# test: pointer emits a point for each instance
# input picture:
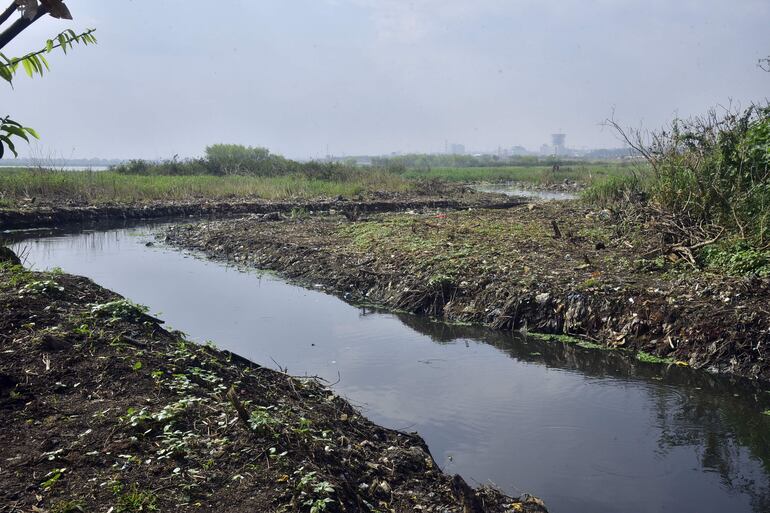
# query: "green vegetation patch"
(554, 337)
(18, 186)
(738, 259)
(651, 358)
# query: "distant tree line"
(236, 159)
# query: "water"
(513, 190)
(588, 431)
(59, 168)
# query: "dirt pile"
(555, 268)
(103, 409)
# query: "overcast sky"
(374, 76)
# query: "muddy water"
(588, 431)
(513, 190)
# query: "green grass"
(105, 186)
(590, 173)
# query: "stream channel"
(586, 430)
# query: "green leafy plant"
(69, 506)
(135, 500)
(313, 492)
(10, 128)
(40, 287)
(119, 309)
(737, 259)
(52, 477)
(263, 422)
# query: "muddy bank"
(42, 216)
(557, 268)
(103, 409)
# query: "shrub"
(716, 169)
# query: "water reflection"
(715, 415)
(587, 430)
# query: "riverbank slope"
(555, 268)
(103, 409)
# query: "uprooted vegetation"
(104, 410)
(558, 268)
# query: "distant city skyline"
(372, 77)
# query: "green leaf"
(18, 132)
(7, 140)
(27, 67)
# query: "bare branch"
(19, 26)
(8, 12)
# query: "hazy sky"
(374, 76)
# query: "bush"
(235, 159)
(712, 170)
(717, 170)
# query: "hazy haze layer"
(375, 76)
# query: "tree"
(33, 63)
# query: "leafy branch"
(35, 62)
(8, 128)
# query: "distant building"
(457, 149)
(518, 150)
(558, 142)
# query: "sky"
(303, 77)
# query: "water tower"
(557, 141)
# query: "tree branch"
(77, 38)
(8, 13)
(19, 26)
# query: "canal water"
(512, 189)
(586, 430)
